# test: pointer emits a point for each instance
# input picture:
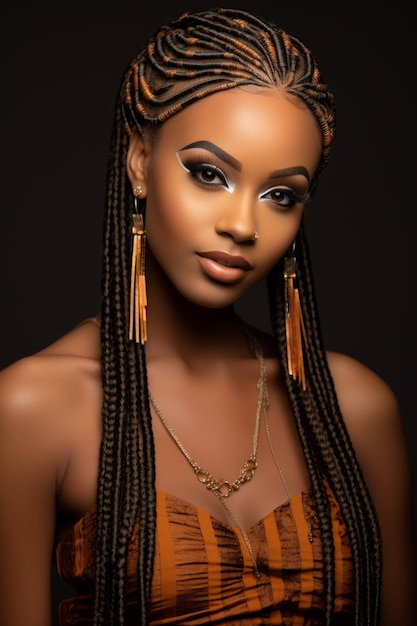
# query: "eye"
(207, 174)
(285, 197)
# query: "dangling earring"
(294, 324)
(138, 301)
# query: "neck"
(176, 324)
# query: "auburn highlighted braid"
(188, 59)
(206, 52)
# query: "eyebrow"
(211, 147)
(237, 165)
(291, 171)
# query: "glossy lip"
(226, 259)
(223, 267)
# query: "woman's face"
(237, 163)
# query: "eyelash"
(291, 197)
(197, 169)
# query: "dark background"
(61, 65)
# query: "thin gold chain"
(221, 488)
(274, 456)
(284, 482)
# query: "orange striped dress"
(204, 574)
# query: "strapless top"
(203, 572)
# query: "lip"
(226, 259)
(223, 267)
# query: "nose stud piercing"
(255, 236)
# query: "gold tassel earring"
(294, 324)
(138, 300)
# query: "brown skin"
(200, 369)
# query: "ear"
(137, 160)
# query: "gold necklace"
(221, 488)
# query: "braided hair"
(188, 59)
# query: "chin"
(222, 297)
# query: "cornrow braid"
(202, 53)
(186, 60)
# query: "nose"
(237, 220)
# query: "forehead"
(249, 124)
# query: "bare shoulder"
(370, 410)
(373, 419)
(366, 399)
(372, 416)
(36, 381)
(49, 416)
(38, 392)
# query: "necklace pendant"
(248, 474)
(252, 463)
(248, 470)
(223, 488)
(203, 475)
(250, 467)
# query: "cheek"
(162, 205)
(174, 208)
(277, 233)
(169, 219)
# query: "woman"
(186, 467)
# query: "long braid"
(342, 470)
(305, 419)
(127, 443)
(318, 407)
(186, 60)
